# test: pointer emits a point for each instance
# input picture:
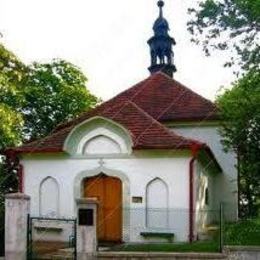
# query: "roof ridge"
(170, 132)
(184, 86)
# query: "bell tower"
(161, 46)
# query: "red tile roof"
(146, 132)
(163, 98)
(140, 109)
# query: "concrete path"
(159, 256)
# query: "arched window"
(101, 145)
(49, 198)
(157, 204)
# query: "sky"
(107, 39)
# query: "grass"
(202, 246)
(243, 233)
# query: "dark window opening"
(207, 196)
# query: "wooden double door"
(108, 191)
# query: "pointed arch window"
(49, 198)
(157, 198)
(101, 144)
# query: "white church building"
(152, 157)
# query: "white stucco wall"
(210, 135)
(138, 173)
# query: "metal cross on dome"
(161, 5)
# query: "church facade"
(152, 156)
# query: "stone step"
(54, 257)
(66, 254)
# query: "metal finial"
(161, 5)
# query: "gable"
(98, 135)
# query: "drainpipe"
(194, 150)
(191, 200)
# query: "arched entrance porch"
(79, 192)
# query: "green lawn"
(244, 232)
(180, 247)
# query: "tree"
(44, 95)
(12, 69)
(11, 73)
(240, 111)
(232, 25)
(10, 127)
(54, 92)
(11, 122)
